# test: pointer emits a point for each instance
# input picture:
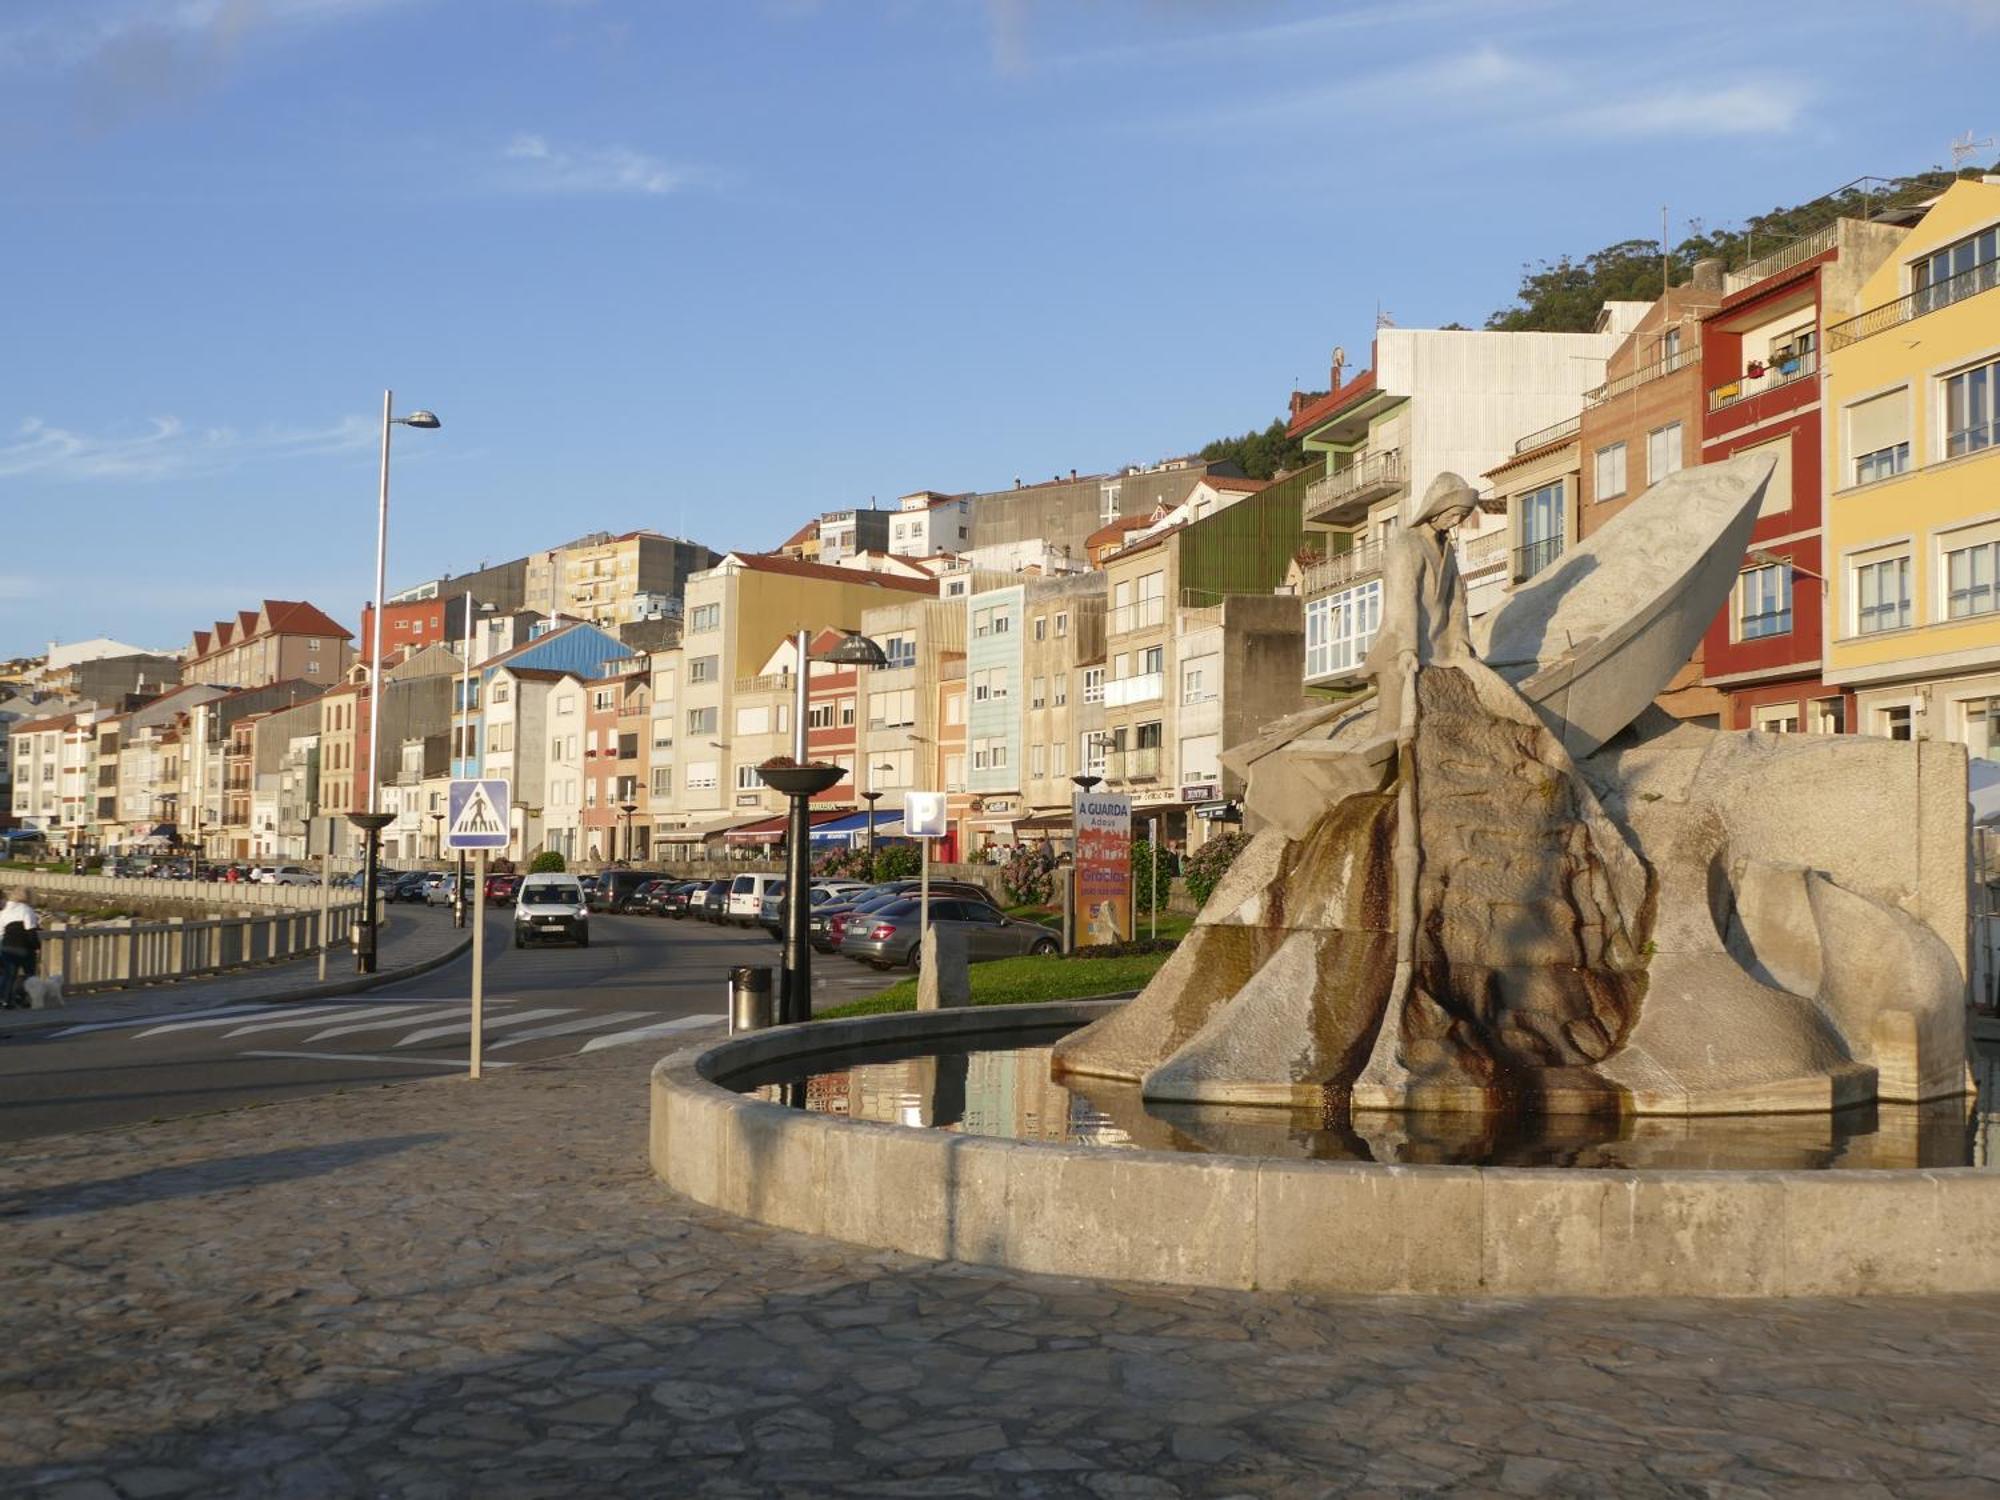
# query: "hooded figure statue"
(1423, 600)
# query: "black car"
(396, 887)
(671, 899)
(711, 901)
(616, 888)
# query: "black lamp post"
(628, 808)
(800, 782)
(371, 825)
(871, 798)
(437, 835)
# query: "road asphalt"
(642, 979)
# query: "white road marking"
(193, 1015)
(464, 1027)
(426, 1062)
(564, 1028)
(319, 1015)
(453, 1008)
(641, 1033)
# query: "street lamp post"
(370, 821)
(799, 782)
(871, 798)
(628, 808)
(437, 835)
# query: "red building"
(419, 623)
(1760, 352)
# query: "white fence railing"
(112, 955)
(199, 892)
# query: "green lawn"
(1019, 981)
(1174, 925)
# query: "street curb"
(331, 989)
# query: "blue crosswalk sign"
(477, 814)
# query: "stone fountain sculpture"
(1504, 881)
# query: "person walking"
(20, 947)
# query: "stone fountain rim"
(1267, 1223)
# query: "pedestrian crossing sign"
(477, 814)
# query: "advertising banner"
(1103, 868)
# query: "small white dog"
(44, 991)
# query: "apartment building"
(282, 640)
(419, 794)
(501, 586)
(615, 730)
(926, 523)
(414, 624)
(739, 615)
(1057, 516)
(900, 703)
(948, 761)
(1193, 628)
(609, 580)
(273, 735)
(37, 746)
(1762, 374)
(1062, 638)
(1912, 459)
(1432, 401)
(842, 533)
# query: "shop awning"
(1048, 818)
(699, 832)
(848, 824)
(772, 830)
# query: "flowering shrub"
(1208, 864)
(895, 862)
(548, 862)
(1028, 877)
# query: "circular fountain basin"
(942, 1134)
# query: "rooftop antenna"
(1666, 262)
(1965, 148)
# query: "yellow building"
(1913, 483)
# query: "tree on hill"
(1563, 296)
(1261, 455)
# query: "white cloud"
(164, 448)
(535, 166)
(1762, 107)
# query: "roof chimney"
(1707, 274)
(1339, 364)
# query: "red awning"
(772, 830)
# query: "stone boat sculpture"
(1505, 882)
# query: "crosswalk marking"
(566, 1028)
(431, 1013)
(344, 1057)
(642, 1033)
(464, 1027)
(317, 1015)
(193, 1015)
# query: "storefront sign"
(1205, 791)
(1103, 868)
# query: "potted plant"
(799, 779)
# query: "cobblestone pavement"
(411, 938)
(451, 1289)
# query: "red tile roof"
(1239, 483)
(1361, 385)
(803, 535)
(1112, 531)
(768, 562)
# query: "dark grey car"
(889, 935)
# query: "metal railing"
(767, 683)
(1384, 471)
(1784, 372)
(1631, 380)
(1983, 278)
(112, 955)
(1535, 556)
(1782, 259)
(1133, 765)
(1567, 427)
(1142, 615)
(1343, 568)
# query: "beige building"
(899, 703)
(614, 580)
(1062, 651)
(280, 641)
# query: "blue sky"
(713, 267)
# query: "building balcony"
(1147, 687)
(1535, 556)
(1553, 433)
(1798, 252)
(1762, 377)
(1342, 494)
(1133, 765)
(1147, 614)
(770, 682)
(1939, 294)
(1631, 380)
(1342, 569)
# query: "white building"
(926, 523)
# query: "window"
(1341, 627)
(663, 781)
(1038, 760)
(1610, 472)
(1894, 722)
(1038, 690)
(893, 710)
(1777, 718)
(1670, 343)
(1541, 522)
(1827, 716)
(702, 668)
(566, 703)
(989, 755)
(954, 708)
(820, 715)
(954, 772)
(1882, 595)
(600, 700)
(502, 691)
(1764, 603)
(1883, 463)
(1060, 752)
(702, 720)
(1041, 627)
(747, 779)
(501, 739)
(1875, 431)
(1957, 270)
(1201, 758)
(894, 768)
(1969, 580)
(1663, 452)
(989, 685)
(993, 620)
(701, 776)
(1971, 421)
(1153, 659)
(1062, 624)
(1198, 678)
(1147, 736)
(1093, 684)
(704, 617)
(751, 721)
(846, 713)
(901, 650)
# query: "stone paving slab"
(447, 1288)
(411, 942)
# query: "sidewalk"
(447, 1288)
(412, 940)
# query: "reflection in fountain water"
(1009, 1093)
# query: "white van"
(746, 898)
(551, 908)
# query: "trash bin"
(750, 1007)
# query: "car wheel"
(1044, 948)
(583, 940)
(518, 943)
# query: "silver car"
(889, 936)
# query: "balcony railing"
(1367, 478)
(1343, 568)
(1781, 372)
(1631, 380)
(1146, 614)
(1133, 765)
(1147, 687)
(1782, 259)
(768, 683)
(1926, 299)
(1553, 432)
(1535, 556)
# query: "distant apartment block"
(281, 640)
